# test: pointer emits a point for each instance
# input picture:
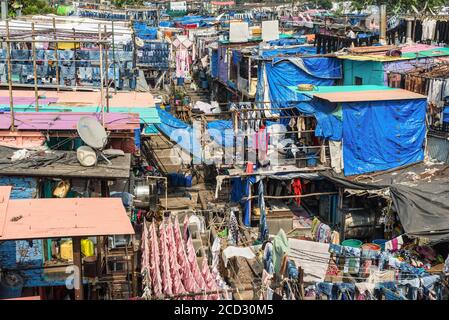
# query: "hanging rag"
(297, 189)
(280, 248)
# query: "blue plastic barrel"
(188, 181)
(381, 243)
(181, 180)
(180, 81)
(204, 84)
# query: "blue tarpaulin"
(180, 133)
(221, 132)
(381, 135)
(283, 73)
(214, 64)
(166, 24)
(145, 32)
(288, 42)
(200, 20)
(329, 125)
(270, 53)
(446, 115)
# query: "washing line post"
(36, 93)
(107, 71)
(56, 55)
(101, 75)
(113, 57)
(11, 101)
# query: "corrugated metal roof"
(56, 218)
(67, 121)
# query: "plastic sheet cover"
(422, 204)
(214, 64)
(180, 133)
(382, 135)
(270, 53)
(219, 132)
(282, 74)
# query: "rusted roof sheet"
(371, 95)
(56, 218)
(4, 199)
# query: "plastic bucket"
(354, 243)
(180, 81)
(380, 243)
(371, 246)
(311, 160)
(204, 84)
(370, 250)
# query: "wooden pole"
(74, 57)
(341, 194)
(113, 56)
(36, 93)
(79, 294)
(56, 55)
(101, 76)
(11, 102)
(107, 73)
(299, 196)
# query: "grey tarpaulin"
(420, 195)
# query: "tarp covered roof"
(420, 195)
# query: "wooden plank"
(79, 294)
(371, 95)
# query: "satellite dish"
(92, 132)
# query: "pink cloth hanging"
(166, 277)
(155, 265)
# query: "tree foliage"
(122, 3)
(30, 7)
(403, 6)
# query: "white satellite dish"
(93, 134)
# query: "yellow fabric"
(315, 224)
(68, 45)
(67, 250)
(87, 248)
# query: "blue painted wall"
(16, 255)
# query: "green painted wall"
(371, 72)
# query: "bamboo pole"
(56, 55)
(101, 76)
(11, 101)
(74, 57)
(299, 196)
(113, 56)
(107, 73)
(36, 93)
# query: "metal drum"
(145, 194)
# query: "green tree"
(122, 3)
(403, 6)
(30, 7)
